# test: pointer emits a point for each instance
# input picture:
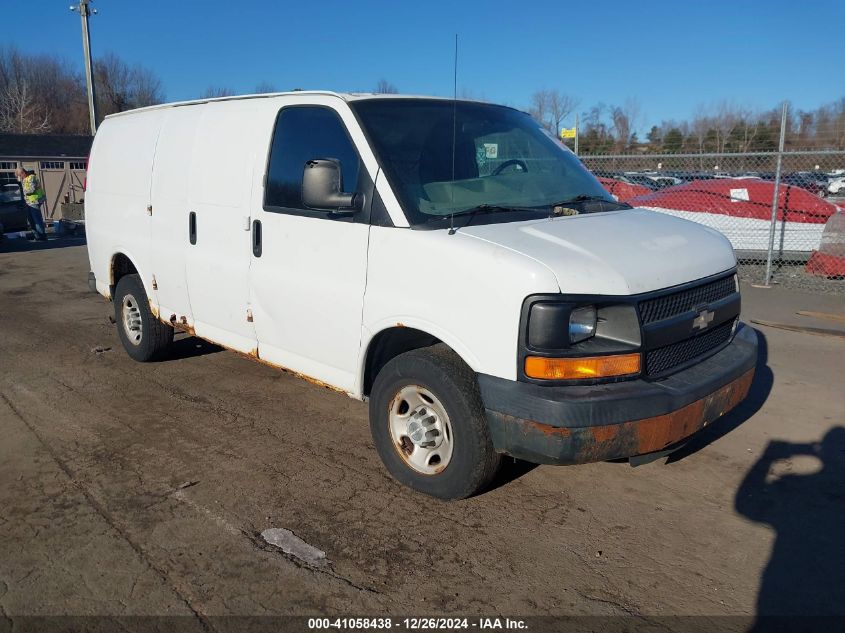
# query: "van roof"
(346, 96)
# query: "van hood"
(617, 252)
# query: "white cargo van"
(447, 260)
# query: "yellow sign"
(567, 132)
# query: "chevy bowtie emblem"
(704, 318)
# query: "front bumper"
(575, 424)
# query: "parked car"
(639, 179)
(807, 181)
(650, 180)
(446, 260)
(622, 190)
(741, 209)
(13, 212)
(836, 185)
(704, 175)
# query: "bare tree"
(265, 87)
(594, 133)
(60, 90)
(20, 113)
(700, 126)
(120, 86)
(551, 107)
(39, 88)
(384, 87)
(746, 130)
(828, 129)
(468, 94)
(560, 106)
(148, 90)
(625, 120)
(540, 107)
(725, 120)
(213, 92)
(621, 126)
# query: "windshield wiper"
(491, 208)
(486, 208)
(589, 198)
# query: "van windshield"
(503, 160)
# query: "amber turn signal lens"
(588, 367)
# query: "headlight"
(582, 324)
(556, 325)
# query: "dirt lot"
(130, 489)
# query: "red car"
(623, 191)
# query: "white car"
(447, 260)
(836, 186)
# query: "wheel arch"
(393, 340)
(120, 265)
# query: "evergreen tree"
(673, 141)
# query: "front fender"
(369, 333)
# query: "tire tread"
(462, 390)
(156, 336)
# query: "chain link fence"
(784, 212)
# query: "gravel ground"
(142, 489)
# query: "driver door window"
(304, 133)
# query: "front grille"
(662, 359)
(682, 301)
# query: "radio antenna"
(454, 135)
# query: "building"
(59, 161)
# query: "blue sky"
(670, 56)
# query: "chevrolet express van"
(448, 261)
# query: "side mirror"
(322, 187)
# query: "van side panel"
(171, 207)
(220, 185)
(116, 216)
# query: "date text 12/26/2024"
(416, 624)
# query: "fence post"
(576, 134)
(768, 278)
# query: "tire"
(143, 336)
(428, 424)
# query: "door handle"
(256, 238)
(192, 227)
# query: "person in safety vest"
(34, 196)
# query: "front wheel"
(428, 424)
(144, 337)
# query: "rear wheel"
(428, 424)
(143, 336)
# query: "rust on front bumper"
(547, 444)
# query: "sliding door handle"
(256, 238)
(192, 227)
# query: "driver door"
(308, 273)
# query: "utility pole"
(85, 10)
